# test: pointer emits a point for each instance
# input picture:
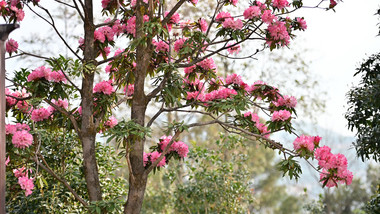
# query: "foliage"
(364, 109)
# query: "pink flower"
(234, 79)
(189, 70)
(281, 115)
(40, 114)
(104, 87)
(19, 172)
(179, 44)
(207, 64)
(162, 46)
(280, 4)
(268, 17)
(60, 103)
(98, 35)
(10, 101)
(233, 24)
(235, 49)
(254, 117)
(174, 19)
(111, 122)
(278, 33)
(164, 141)
(131, 24)
(56, 76)
(7, 161)
(26, 184)
(105, 3)
(11, 46)
(222, 16)
(22, 139)
(234, 2)
(263, 129)
(39, 73)
(129, 90)
(251, 12)
(304, 142)
(203, 25)
(288, 101)
(301, 23)
(154, 156)
(332, 3)
(181, 148)
(194, 1)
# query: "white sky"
(339, 42)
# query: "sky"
(339, 42)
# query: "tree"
(162, 61)
(363, 113)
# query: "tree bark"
(88, 130)
(138, 177)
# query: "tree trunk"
(138, 177)
(88, 130)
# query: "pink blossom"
(181, 148)
(179, 44)
(233, 24)
(254, 117)
(281, 115)
(19, 172)
(189, 70)
(129, 90)
(7, 161)
(235, 49)
(203, 25)
(207, 64)
(105, 3)
(197, 95)
(131, 24)
(174, 19)
(301, 23)
(40, 114)
(346, 176)
(263, 129)
(322, 153)
(278, 33)
(10, 101)
(154, 156)
(26, 184)
(193, 1)
(145, 158)
(234, 79)
(98, 35)
(332, 3)
(164, 141)
(39, 73)
(233, 2)
(268, 17)
(304, 142)
(162, 46)
(111, 122)
(11, 46)
(288, 101)
(251, 12)
(118, 28)
(104, 87)
(222, 16)
(60, 103)
(280, 4)
(20, 14)
(22, 139)
(56, 76)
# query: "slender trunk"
(88, 129)
(138, 177)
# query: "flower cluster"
(11, 46)
(306, 142)
(21, 137)
(334, 167)
(111, 122)
(60, 103)
(177, 148)
(47, 74)
(24, 181)
(104, 87)
(287, 101)
(282, 115)
(263, 129)
(40, 114)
